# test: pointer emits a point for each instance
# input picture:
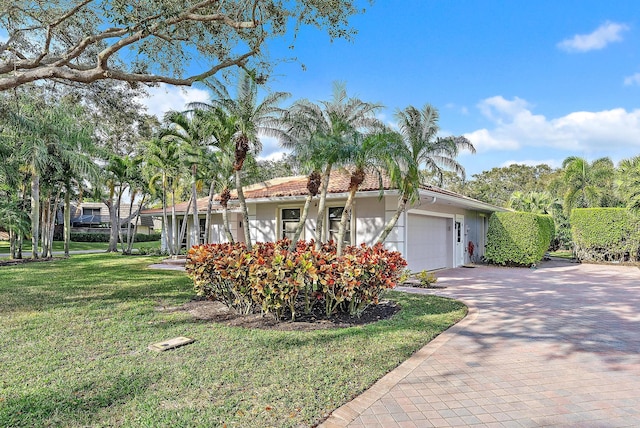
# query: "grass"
(565, 254)
(74, 246)
(73, 352)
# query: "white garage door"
(427, 242)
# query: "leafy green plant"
(270, 278)
(518, 238)
(605, 234)
(427, 279)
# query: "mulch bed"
(14, 262)
(206, 310)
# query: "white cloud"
(271, 149)
(608, 32)
(632, 80)
(166, 97)
(516, 127)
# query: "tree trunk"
(174, 223)
(245, 212)
(67, 220)
(19, 246)
(12, 244)
(35, 214)
(183, 228)
(346, 212)
(194, 196)
(135, 223)
(165, 220)
(303, 219)
(320, 229)
(53, 209)
(113, 234)
(225, 222)
(402, 203)
(129, 237)
(207, 220)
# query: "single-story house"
(94, 217)
(433, 233)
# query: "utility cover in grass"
(171, 343)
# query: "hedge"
(104, 237)
(605, 234)
(518, 238)
(272, 279)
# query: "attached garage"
(429, 242)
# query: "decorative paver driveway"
(554, 346)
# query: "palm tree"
(533, 202)
(587, 184)
(252, 118)
(319, 133)
(165, 157)
(629, 182)
(189, 131)
(420, 147)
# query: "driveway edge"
(345, 414)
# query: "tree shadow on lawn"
(577, 308)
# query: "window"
(290, 219)
(335, 213)
(91, 211)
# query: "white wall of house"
(426, 234)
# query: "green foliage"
(426, 278)
(517, 238)
(104, 237)
(605, 234)
(269, 278)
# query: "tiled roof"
(297, 186)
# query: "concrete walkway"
(554, 346)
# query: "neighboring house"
(432, 234)
(94, 217)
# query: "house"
(433, 233)
(93, 217)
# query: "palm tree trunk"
(113, 233)
(67, 220)
(402, 203)
(225, 222)
(245, 212)
(342, 229)
(194, 196)
(35, 214)
(207, 219)
(12, 244)
(174, 223)
(300, 226)
(129, 237)
(165, 220)
(135, 223)
(183, 228)
(320, 229)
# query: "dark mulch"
(217, 312)
(14, 262)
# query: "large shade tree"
(153, 41)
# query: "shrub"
(426, 279)
(270, 278)
(605, 234)
(104, 237)
(518, 238)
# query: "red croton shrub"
(272, 279)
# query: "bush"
(270, 278)
(104, 237)
(518, 238)
(605, 234)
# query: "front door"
(459, 240)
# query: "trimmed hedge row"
(272, 279)
(518, 238)
(104, 237)
(605, 234)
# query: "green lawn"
(74, 246)
(73, 351)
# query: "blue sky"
(527, 82)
